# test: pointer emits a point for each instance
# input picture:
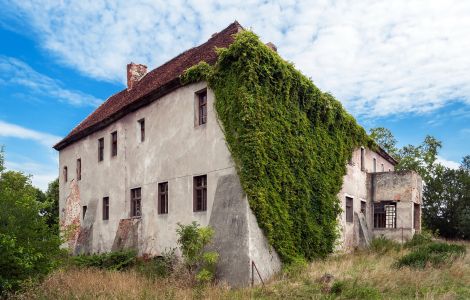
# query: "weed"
(382, 245)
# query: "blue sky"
(402, 64)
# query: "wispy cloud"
(14, 72)
(15, 131)
(379, 58)
(448, 163)
(42, 174)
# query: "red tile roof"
(152, 86)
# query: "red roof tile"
(152, 86)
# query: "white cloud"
(14, 72)
(45, 171)
(378, 57)
(15, 131)
(448, 163)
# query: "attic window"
(362, 158)
(114, 143)
(79, 169)
(65, 174)
(202, 107)
(100, 149)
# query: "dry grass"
(366, 275)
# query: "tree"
(385, 139)
(28, 246)
(447, 202)
(51, 211)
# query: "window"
(106, 208)
(163, 198)
(100, 149)
(65, 174)
(79, 169)
(200, 193)
(84, 211)
(385, 215)
(349, 209)
(375, 165)
(142, 129)
(114, 143)
(362, 159)
(135, 202)
(363, 207)
(383, 169)
(202, 107)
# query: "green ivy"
(289, 140)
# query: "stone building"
(154, 155)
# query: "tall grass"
(360, 275)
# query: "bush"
(159, 266)
(29, 248)
(109, 261)
(382, 245)
(420, 239)
(434, 254)
(192, 240)
(349, 289)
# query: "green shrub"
(419, 239)
(159, 266)
(109, 261)
(290, 143)
(431, 254)
(193, 240)
(29, 248)
(382, 245)
(348, 289)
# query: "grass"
(359, 275)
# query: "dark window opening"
(202, 107)
(163, 198)
(142, 129)
(84, 211)
(100, 149)
(79, 169)
(200, 193)
(136, 202)
(114, 143)
(362, 159)
(65, 174)
(417, 217)
(106, 208)
(385, 215)
(349, 209)
(363, 207)
(375, 165)
(383, 169)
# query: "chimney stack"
(272, 46)
(135, 72)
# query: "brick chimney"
(272, 46)
(135, 72)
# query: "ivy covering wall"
(290, 143)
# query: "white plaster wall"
(174, 150)
(355, 185)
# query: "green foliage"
(433, 254)
(419, 239)
(382, 245)
(351, 289)
(385, 139)
(29, 249)
(159, 266)
(447, 202)
(290, 143)
(119, 260)
(51, 212)
(193, 240)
